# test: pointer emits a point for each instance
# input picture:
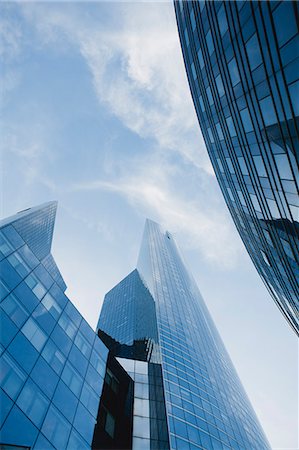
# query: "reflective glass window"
(222, 20)
(36, 286)
(11, 376)
(219, 131)
(14, 309)
(73, 313)
(65, 401)
(72, 379)
(260, 166)
(78, 360)
(18, 429)
(90, 399)
(45, 377)
(7, 330)
(33, 403)
(141, 443)
(13, 236)
(93, 378)
(34, 334)
(247, 123)
(26, 296)
(283, 166)
(285, 22)
(192, 18)
(61, 339)
(44, 318)
(268, 111)
(273, 208)
(6, 404)
(23, 352)
(231, 127)
(220, 86)
(51, 305)
(253, 52)
(83, 344)
(200, 59)
(98, 363)
(242, 165)
(209, 41)
(54, 356)
(202, 106)
(17, 262)
(68, 326)
(76, 442)
(141, 407)
(84, 423)
(255, 202)
(234, 72)
(9, 275)
(210, 135)
(5, 246)
(186, 37)
(210, 97)
(56, 428)
(141, 427)
(294, 94)
(193, 71)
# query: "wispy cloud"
(137, 72)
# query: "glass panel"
(209, 41)
(253, 52)
(34, 334)
(222, 20)
(53, 356)
(268, 111)
(247, 123)
(283, 166)
(11, 376)
(51, 305)
(33, 402)
(56, 428)
(14, 309)
(234, 72)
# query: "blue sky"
(97, 114)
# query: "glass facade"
(192, 398)
(52, 363)
(242, 63)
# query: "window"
(35, 286)
(108, 422)
(51, 305)
(210, 43)
(56, 428)
(192, 18)
(260, 167)
(242, 165)
(33, 402)
(14, 309)
(112, 381)
(247, 123)
(294, 94)
(53, 356)
(17, 262)
(219, 131)
(253, 52)
(283, 166)
(220, 86)
(222, 20)
(11, 376)
(231, 127)
(209, 94)
(234, 72)
(72, 379)
(268, 111)
(68, 326)
(285, 22)
(34, 334)
(200, 59)
(193, 71)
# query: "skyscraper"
(205, 404)
(242, 60)
(155, 376)
(55, 373)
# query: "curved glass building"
(242, 63)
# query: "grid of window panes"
(52, 362)
(149, 422)
(128, 311)
(207, 407)
(242, 62)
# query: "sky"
(97, 114)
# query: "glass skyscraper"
(55, 372)
(242, 63)
(202, 402)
